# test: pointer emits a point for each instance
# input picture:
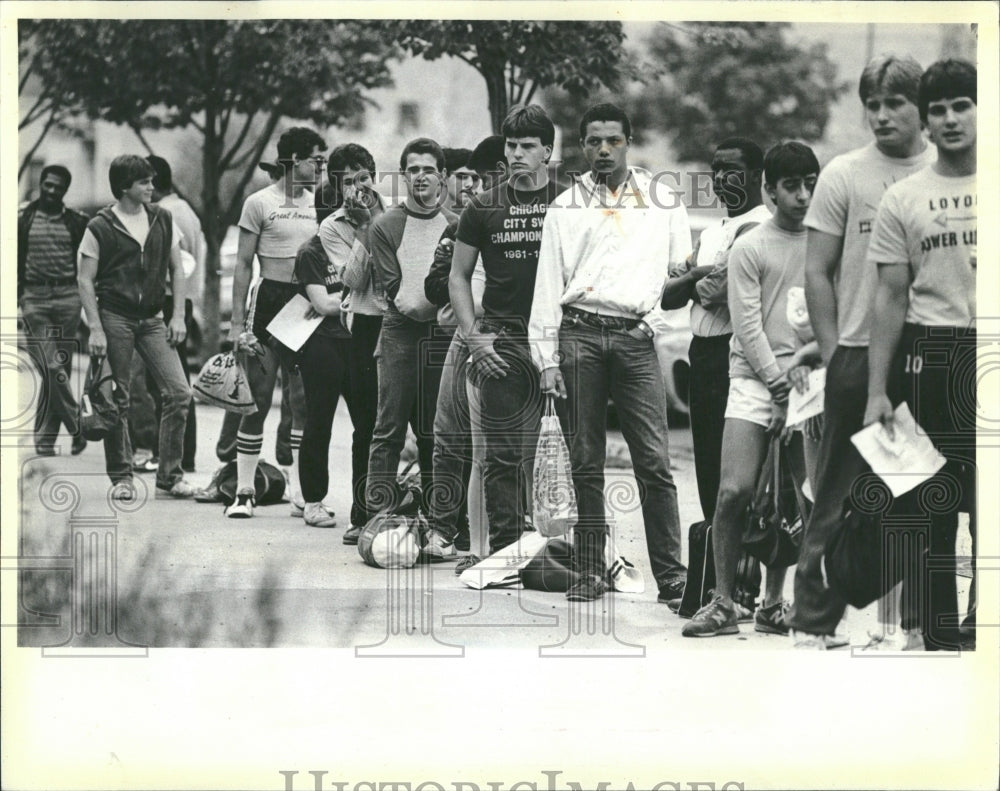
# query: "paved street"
(185, 575)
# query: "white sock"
(247, 455)
(294, 489)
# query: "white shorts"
(750, 400)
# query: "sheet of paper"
(291, 326)
(904, 461)
(802, 406)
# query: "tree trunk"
(496, 87)
(214, 227)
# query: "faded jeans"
(598, 363)
(149, 338)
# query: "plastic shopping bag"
(554, 508)
(223, 382)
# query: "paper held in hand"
(802, 406)
(903, 462)
(291, 326)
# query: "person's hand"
(880, 409)
(357, 211)
(312, 313)
(779, 411)
(798, 377)
(98, 343)
(812, 429)
(552, 382)
(247, 342)
(176, 331)
(779, 388)
(486, 363)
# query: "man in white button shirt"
(607, 243)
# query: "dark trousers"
(709, 391)
(934, 372)
(324, 364)
(511, 415)
(363, 383)
(51, 319)
(408, 380)
(602, 362)
(817, 609)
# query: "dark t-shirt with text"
(505, 225)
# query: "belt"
(601, 322)
(56, 281)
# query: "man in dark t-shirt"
(504, 226)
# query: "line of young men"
(884, 243)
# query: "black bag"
(98, 411)
(774, 526)
(268, 484)
(855, 561)
(700, 584)
(551, 569)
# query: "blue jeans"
(511, 414)
(452, 443)
(409, 372)
(149, 338)
(598, 363)
(51, 319)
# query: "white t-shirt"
(844, 204)
(282, 222)
(928, 222)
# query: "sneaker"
(124, 491)
(670, 591)
(588, 588)
(898, 640)
(316, 515)
(913, 640)
(466, 562)
(242, 507)
(673, 604)
(771, 620)
(713, 619)
(79, 445)
(743, 614)
(352, 534)
(809, 642)
(182, 490)
(438, 548)
(298, 509)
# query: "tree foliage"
(724, 79)
(519, 57)
(232, 81)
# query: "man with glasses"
(403, 240)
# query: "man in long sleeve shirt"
(606, 246)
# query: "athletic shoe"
(299, 508)
(438, 548)
(352, 534)
(899, 640)
(670, 591)
(804, 641)
(182, 490)
(913, 640)
(79, 445)
(124, 491)
(44, 450)
(743, 614)
(588, 588)
(316, 515)
(466, 562)
(242, 507)
(713, 619)
(673, 604)
(771, 620)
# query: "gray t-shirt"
(844, 204)
(928, 222)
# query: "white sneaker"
(439, 548)
(123, 491)
(316, 515)
(182, 490)
(913, 640)
(808, 642)
(242, 507)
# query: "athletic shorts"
(750, 400)
(269, 298)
